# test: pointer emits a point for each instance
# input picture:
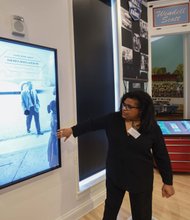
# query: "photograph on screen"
(29, 112)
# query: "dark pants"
(36, 119)
(141, 203)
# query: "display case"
(177, 138)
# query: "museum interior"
(65, 66)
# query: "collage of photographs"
(134, 35)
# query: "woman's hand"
(64, 132)
(167, 190)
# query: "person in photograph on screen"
(52, 143)
(135, 142)
(31, 106)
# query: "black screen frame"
(54, 50)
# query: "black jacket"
(129, 161)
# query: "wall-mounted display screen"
(29, 112)
(177, 127)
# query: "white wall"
(51, 196)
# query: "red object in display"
(178, 148)
(181, 166)
(179, 152)
(177, 141)
(179, 157)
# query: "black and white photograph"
(143, 29)
(144, 62)
(125, 85)
(143, 75)
(126, 21)
(127, 55)
(136, 42)
(127, 38)
(134, 85)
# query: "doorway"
(168, 76)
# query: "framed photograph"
(29, 112)
(143, 29)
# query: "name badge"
(133, 132)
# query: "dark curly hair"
(145, 105)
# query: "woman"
(134, 140)
(52, 143)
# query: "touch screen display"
(178, 127)
(29, 113)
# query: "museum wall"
(54, 195)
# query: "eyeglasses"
(128, 107)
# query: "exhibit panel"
(133, 26)
(29, 111)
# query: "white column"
(186, 83)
